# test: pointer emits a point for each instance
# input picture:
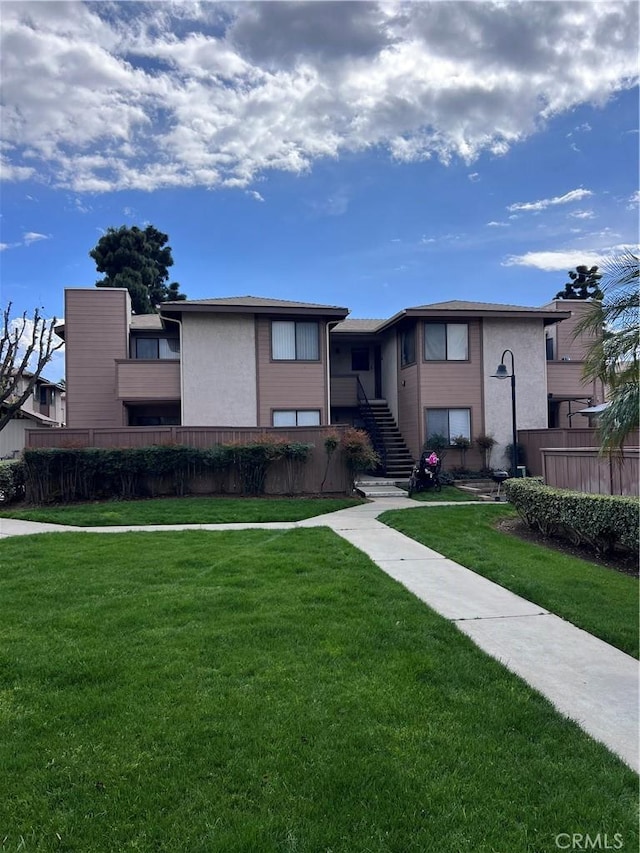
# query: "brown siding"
(454, 385)
(408, 407)
(288, 384)
(344, 391)
(567, 344)
(565, 378)
(96, 333)
(148, 380)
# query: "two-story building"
(256, 362)
(43, 408)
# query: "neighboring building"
(566, 353)
(43, 408)
(248, 361)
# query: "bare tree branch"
(23, 356)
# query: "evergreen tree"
(138, 260)
(584, 284)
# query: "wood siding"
(344, 391)
(313, 472)
(583, 469)
(96, 334)
(454, 385)
(409, 407)
(288, 385)
(147, 380)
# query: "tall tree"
(584, 284)
(26, 347)
(138, 260)
(614, 355)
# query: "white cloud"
(542, 204)
(255, 195)
(582, 214)
(34, 237)
(562, 259)
(27, 239)
(104, 96)
(494, 224)
(634, 201)
(474, 176)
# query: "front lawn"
(599, 600)
(448, 493)
(269, 691)
(187, 510)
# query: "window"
(549, 347)
(43, 395)
(294, 340)
(446, 341)
(360, 358)
(408, 346)
(449, 423)
(297, 417)
(157, 348)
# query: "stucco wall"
(525, 338)
(12, 437)
(219, 370)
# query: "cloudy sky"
(372, 155)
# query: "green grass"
(448, 493)
(268, 692)
(599, 600)
(185, 510)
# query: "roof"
(253, 305)
(357, 326)
(146, 321)
(460, 307)
(464, 305)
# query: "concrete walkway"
(585, 678)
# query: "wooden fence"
(336, 477)
(584, 469)
(533, 440)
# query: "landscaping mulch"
(619, 561)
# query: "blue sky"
(369, 155)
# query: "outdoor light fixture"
(501, 373)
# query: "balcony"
(138, 379)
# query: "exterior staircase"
(397, 460)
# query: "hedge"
(66, 475)
(11, 481)
(601, 522)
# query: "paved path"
(585, 678)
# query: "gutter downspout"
(179, 322)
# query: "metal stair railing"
(371, 425)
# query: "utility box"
(521, 471)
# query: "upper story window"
(360, 358)
(446, 342)
(548, 341)
(295, 340)
(408, 346)
(154, 348)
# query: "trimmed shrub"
(11, 481)
(601, 522)
(81, 474)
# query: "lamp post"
(501, 373)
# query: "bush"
(600, 522)
(11, 481)
(358, 451)
(81, 474)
